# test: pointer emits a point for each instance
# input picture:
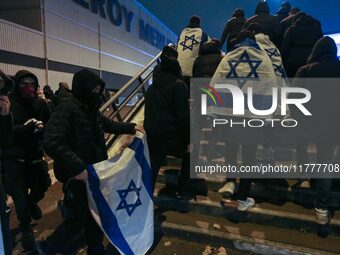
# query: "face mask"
(27, 92)
(95, 100)
(27, 88)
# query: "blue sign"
(116, 13)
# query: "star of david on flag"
(130, 208)
(273, 53)
(235, 69)
(120, 194)
(189, 42)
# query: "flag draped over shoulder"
(274, 54)
(188, 48)
(120, 198)
(247, 66)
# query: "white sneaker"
(228, 189)
(244, 205)
(322, 216)
(305, 184)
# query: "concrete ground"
(164, 245)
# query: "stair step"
(260, 239)
(287, 215)
(275, 189)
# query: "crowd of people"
(287, 46)
(67, 126)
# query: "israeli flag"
(120, 198)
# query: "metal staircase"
(133, 89)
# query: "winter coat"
(167, 107)
(324, 124)
(74, 136)
(206, 64)
(231, 31)
(298, 43)
(6, 133)
(268, 22)
(283, 12)
(26, 144)
(284, 25)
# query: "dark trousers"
(324, 186)
(158, 152)
(4, 217)
(248, 158)
(231, 158)
(186, 79)
(20, 177)
(78, 222)
(302, 154)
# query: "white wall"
(72, 37)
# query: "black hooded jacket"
(299, 41)
(167, 106)
(269, 23)
(207, 62)
(26, 144)
(74, 136)
(284, 10)
(233, 28)
(324, 124)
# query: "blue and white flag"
(247, 66)
(120, 198)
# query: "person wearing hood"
(188, 46)
(6, 138)
(273, 52)
(246, 53)
(284, 10)
(269, 23)
(287, 23)
(74, 138)
(208, 60)
(232, 28)
(50, 96)
(168, 51)
(299, 41)
(167, 120)
(320, 128)
(25, 171)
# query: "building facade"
(55, 38)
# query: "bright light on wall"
(336, 38)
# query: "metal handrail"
(131, 113)
(128, 84)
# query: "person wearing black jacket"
(167, 120)
(6, 137)
(50, 96)
(269, 23)
(284, 10)
(233, 28)
(299, 41)
(320, 128)
(24, 167)
(287, 23)
(168, 51)
(74, 138)
(208, 60)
